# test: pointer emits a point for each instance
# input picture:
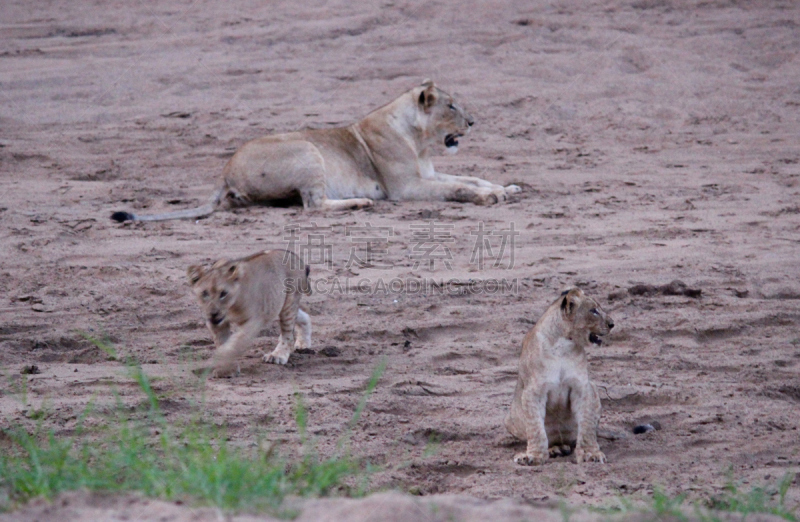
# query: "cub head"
(444, 119)
(584, 315)
(217, 288)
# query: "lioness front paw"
(524, 459)
(591, 455)
(489, 196)
(513, 189)
(276, 357)
(500, 194)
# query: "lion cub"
(241, 296)
(555, 405)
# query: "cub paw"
(276, 357)
(364, 203)
(593, 455)
(560, 451)
(513, 189)
(523, 459)
(225, 370)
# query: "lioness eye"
(223, 294)
(452, 107)
(594, 311)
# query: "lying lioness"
(387, 155)
(242, 296)
(555, 406)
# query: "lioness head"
(446, 120)
(585, 315)
(217, 289)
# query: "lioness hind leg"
(314, 197)
(345, 204)
(302, 330)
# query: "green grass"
(193, 461)
(760, 499)
(770, 499)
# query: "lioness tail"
(189, 213)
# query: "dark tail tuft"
(306, 286)
(122, 217)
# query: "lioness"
(385, 155)
(241, 296)
(555, 405)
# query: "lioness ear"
(427, 97)
(427, 82)
(194, 272)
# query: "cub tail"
(305, 285)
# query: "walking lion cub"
(555, 406)
(241, 296)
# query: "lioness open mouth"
(451, 140)
(595, 339)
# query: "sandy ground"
(656, 140)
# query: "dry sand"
(656, 140)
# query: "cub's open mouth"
(595, 339)
(451, 140)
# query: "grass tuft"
(769, 499)
(760, 499)
(192, 462)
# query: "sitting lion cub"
(555, 405)
(241, 296)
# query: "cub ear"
(194, 273)
(427, 97)
(234, 272)
(219, 263)
(568, 306)
(568, 301)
